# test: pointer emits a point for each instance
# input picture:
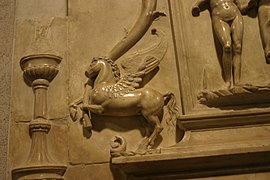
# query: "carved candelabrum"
(40, 70)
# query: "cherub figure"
(264, 21)
(228, 26)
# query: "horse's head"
(103, 69)
(94, 67)
(99, 62)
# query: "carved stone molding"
(193, 165)
(196, 156)
(40, 70)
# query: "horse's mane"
(115, 68)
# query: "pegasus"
(111, 91)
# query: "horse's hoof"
(141, 151)
(88, 127)
(154, 151)
(115, 154)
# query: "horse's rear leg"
(157, 130)
(153, 119)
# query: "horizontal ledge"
(227, 119)
(198, 161)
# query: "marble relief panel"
(89, 38)
(204, 95)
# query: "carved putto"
(228, 27)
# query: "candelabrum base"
(50, 172)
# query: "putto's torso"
(224, 9)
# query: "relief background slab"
(196, 46)
(93, 31)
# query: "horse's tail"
(173, 109)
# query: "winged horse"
(118, 92)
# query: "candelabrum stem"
(40, 87)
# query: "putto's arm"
(196, 7)
(246, 5)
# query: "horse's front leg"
(73, 109)
(87, 123)
(87, 109)
(97, 109)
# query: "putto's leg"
(237, 37)
(223, 33)
(264, 23)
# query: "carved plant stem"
(147, 16)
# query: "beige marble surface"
(81, 30)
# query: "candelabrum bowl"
(40, 66)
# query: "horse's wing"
(141, 65)
(148, 59)
(133, 80)
(150, 64)
(130, 81)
